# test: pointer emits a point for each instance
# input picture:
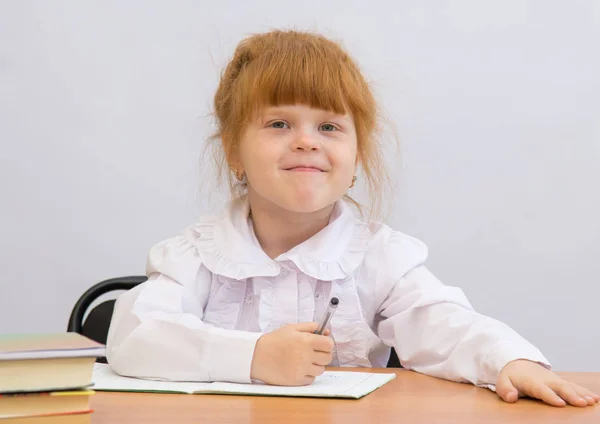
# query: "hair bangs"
(312, 74)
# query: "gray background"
(104, 112)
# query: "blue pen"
(333, 303)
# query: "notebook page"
(105, 379)
(337, 384)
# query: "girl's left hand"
(526, 378)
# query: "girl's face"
(298, 158)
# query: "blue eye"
(328, 127)
(279, 125)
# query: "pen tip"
(334, 301)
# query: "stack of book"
(46, 378)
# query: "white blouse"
(212, 292)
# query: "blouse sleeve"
(434, 328)
(157, 330)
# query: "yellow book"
(51, 419)
(15, 405)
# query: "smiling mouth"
(304, 169)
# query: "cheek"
(344, 159)
(260, 158)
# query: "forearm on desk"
(435, 331)
(175, 346)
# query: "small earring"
(240, 175)
(353, 181)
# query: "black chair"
(97, 322)
(394, 361)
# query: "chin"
(295, 199)
(307, 204)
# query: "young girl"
(235, 297)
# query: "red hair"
(290, 67)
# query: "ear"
(237, 169)
(233, 160)
(237, 165)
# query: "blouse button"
(319, 295)
(248, 298)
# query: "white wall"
(103, 116)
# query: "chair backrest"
(394, 361)
(97, 322)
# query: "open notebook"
(332, 384)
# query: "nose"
(305, 142)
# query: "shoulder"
(178, 257)
(393, 253)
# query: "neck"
(279, 230)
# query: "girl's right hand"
(291, 355)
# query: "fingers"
(321, 358)
(309, 327)
(568, 393)
(506, 390)
(529, 379)
(543, 392)
(307, 381)
(589, 397)
(586, 394)
(315, 370)
(305, 327)
(321, 343)
(561, 393)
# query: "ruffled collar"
(228, 246)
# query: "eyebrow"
(276, 110)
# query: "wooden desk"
(409, 398)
